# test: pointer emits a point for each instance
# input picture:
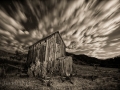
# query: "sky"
(90, 27)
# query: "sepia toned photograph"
(60, 45)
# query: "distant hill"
(84, 59)
(4, 53)
(78, 59)
(11, 57)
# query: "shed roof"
(48, 37)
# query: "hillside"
(78, 59)
(11, 58)
(84, 59)
(6, 54)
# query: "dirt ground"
(85, 78)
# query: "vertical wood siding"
(47, 51)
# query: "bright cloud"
(86, 26)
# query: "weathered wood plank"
(47, 51)
(65, 64)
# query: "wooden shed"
(47, 50)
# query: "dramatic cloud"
(90, 27)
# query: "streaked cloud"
(86, 26)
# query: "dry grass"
(87, 78)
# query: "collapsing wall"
(62, 66)
(44, 53)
